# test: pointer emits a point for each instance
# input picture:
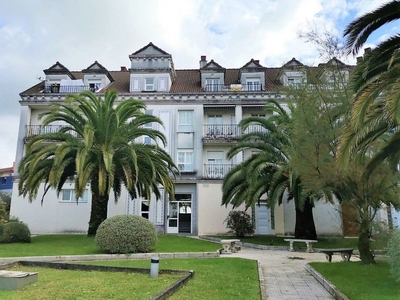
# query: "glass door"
(180, 214)
(172, 217)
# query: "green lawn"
(68, 284)
(323, 242)
(215, 278)
(74, 244)
(361, 282)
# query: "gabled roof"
(58, 69)
(293, 63)
(212, 65)
(252, 64)
(150, 46)
(97, 68)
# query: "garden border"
(174, 287)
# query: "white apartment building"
(200, 109)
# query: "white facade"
(200, 110)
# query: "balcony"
(34, 130)
(233, 88)
(226, 133)
(68, 89)
(216, 171)
(221, 133)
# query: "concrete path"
(282, 274)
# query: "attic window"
(149, 84)
(294, 80)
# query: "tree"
(97, 146)
(319, 116)
(375, 83)
(267, 171)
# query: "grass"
(75, 244)
(361, 282)
(323, 242)
(68, 284)
(215, 278)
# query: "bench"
(308, 243)
(344, 252)
(229, 246)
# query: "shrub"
(15, 232)
(393, 252)
(239, 222)
(126, 234)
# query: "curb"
(248, 245)
(333, 290)
(66, 258)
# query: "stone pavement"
(282, 274)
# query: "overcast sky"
(36, 34)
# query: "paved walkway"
(282, 274)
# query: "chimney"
(367, 50)
(257, 61)
(123, 68)
(359, 59)
(203, 61)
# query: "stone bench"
(308, 243)
(229, 246)
(344, 252)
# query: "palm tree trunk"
(305, 226)
(98, 213)
(364, 246)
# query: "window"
(185, 161)
(4, 180)
(215, 126)
(147, 139)
(294, 80)
(212, 85)
(68, 195)
(253, 84)
(185, 121)
(149, 84)
(94, 86)
(145, 208)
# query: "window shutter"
(159, 210)
(135, 85)
(162, 84)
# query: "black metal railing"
(233, 88)
(34, 130)
(216, 171)
(68, 89)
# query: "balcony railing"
(34, 130)
(68, 89)
(221, 132)
(227, 132)
(233, 88)
(216, 171)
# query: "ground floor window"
(68, 195)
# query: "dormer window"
(149, 84)
(294, 80)
(94, 86)
(253, 84)
(212, 85)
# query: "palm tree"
(98, 146)
(267, 171)
(376, 85)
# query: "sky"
(36, 34)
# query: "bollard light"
(154, 267)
